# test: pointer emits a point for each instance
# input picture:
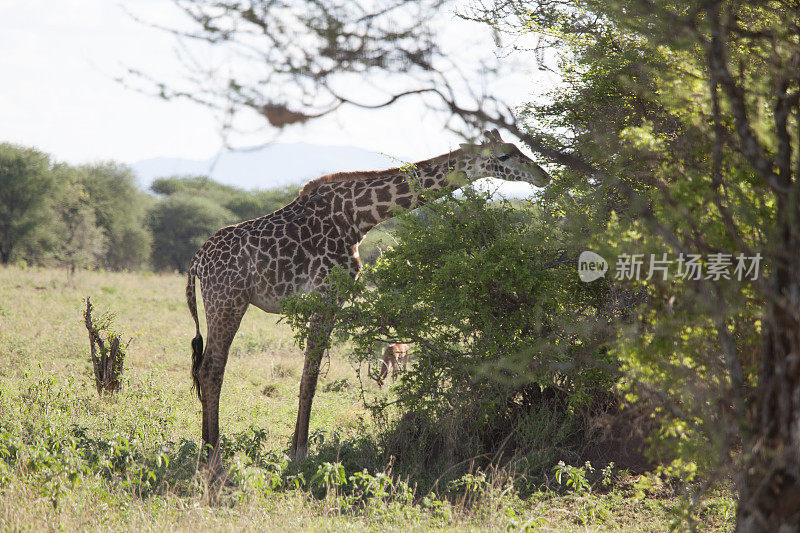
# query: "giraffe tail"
(197, 342)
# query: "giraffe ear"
(468, 148)
(493, 136)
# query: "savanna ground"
(70, 460)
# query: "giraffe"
(395, 354)
(261, 261)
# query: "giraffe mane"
(368, 175)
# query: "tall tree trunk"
(769, 497)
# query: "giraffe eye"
(504, 157)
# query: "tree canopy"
(25, 185)
(95, 215)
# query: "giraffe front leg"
(315, 347)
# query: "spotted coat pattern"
(259, 262)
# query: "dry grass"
(55, 432)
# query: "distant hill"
(267, 167)
(279, 164)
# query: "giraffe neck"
(380, 198)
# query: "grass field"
(70, 460)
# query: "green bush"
(509, 346)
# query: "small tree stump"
(108, 356)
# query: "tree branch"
(751, 147)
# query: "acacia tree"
(291, 61)
(78, 240)
(120, 210)
(26, 186)
(683, 120)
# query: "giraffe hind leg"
(222, 327)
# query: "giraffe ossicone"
(262, 261)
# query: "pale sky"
(58, 94)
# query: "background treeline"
(95, 216)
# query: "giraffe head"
(504, 160)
